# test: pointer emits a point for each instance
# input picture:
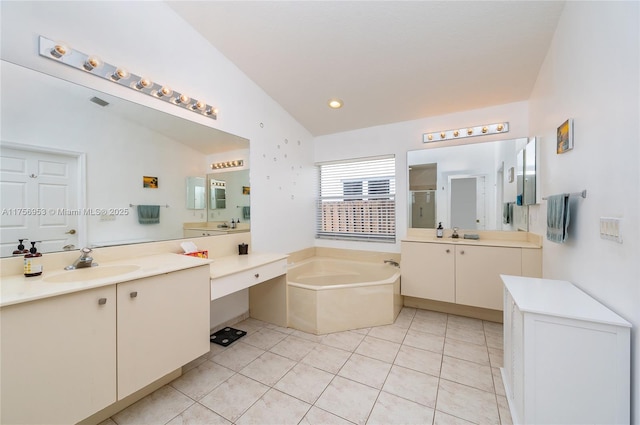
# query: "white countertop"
(558, 298)
(231, 264)
(19, 289)
(479, 242)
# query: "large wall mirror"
(76, 163)
(472, 187)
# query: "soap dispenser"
(21, 249)
(439, 230)
(31, 266)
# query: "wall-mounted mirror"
(467, 186)
(237, 196)
(530, 172)
(196, 193)
(96, 158)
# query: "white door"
(38, 199)
(467, 202)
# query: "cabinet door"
(478, 270)
(163, 323)
(428, 271)
(58, 358)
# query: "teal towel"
(557, 217)
(148, 214)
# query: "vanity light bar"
(460, 133)
(92, 64)
(227, 164)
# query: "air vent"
(99, 101)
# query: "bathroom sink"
(88, 273)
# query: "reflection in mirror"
(466, 186)
(530, 172)
(237, 198)
(107, 146)
(217, 194)
(196, 193)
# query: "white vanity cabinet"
(459, 273)
(163, 323)
(566, 356)
(58, 357)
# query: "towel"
(246, 213)
(507, 213)
(557, 217)
(148, 214)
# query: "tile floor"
(426, 368)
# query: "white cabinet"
(458, 273)
(566, 356)
(69, 356)
(58, 357)
(163, 323)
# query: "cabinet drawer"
(232, 283)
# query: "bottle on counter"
(439, 230)
(21, 249)
(31, 262)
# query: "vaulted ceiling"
(389, 61)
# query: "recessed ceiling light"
(335, 103)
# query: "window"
(357, 200)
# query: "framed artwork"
(246, 190)
(150, 182)
(565, 137)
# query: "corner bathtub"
(330, 295)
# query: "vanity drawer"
(237, 281)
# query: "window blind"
(357, 200)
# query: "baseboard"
(457, 309)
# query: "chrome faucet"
(392, 262)
(85, 260)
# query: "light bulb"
(430, 136)
(456, 133)
(120, 74)
(183, 98)
(469, 131)
(443, 135)
(59, 50)
(143, 83)
(92, 63)
(335, 103)
(485, 129)
(199, 105)
(500, 127)
(164, 91)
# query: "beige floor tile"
(293, 347)
(493, 327)
(275, 407)
(348, 399)
(498, 383)
(390, 410)
(317, 416)
(433, 316)
(378, 349)
(444, 419)
(201, 380)
(474, 336)
(494, 340)
(496, 357)
(363, 331)
(346, 340)
(281, 329)
(158, 407)
(365, 370)
(197, 414)
(468, 403)
(412, 385)
(264, 338)
(194, 363)
(503, 409)
(108, 421)
(238, 355)
(327, 358)
(467, 373)
(250, 325)
(403, 321)
(308, 336)
(466, 351)
(464, 322)
(215, 349)
(420, 360)
(391, 333)
(268, 368)
(433, 327)
(424, 341)
(304, 382)
(234, 396)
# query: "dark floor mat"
(226, 336)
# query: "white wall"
(591, 74)
(148, 38)
(398, 138)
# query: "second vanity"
(463, 275)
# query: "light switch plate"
(610, 228)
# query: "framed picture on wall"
(149, 182)
(565, 137)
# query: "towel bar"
(164, 206)
(582, 194)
